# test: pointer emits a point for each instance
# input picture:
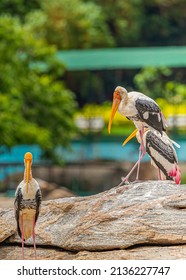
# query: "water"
(110, 151)
(11, 160)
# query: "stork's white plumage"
(27, 204)
(139, 108)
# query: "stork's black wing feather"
(38, 199)
(149, 112)
(161, 148)
(17, 207)
(161, 167)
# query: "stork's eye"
(117, 95)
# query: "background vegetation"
(39, 98)
(30, 91)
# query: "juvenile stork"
(162, 153)
(139, 108)
(27, 204)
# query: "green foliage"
(124, 20)
(71, 24)
(163, 22)
(183, 178)
(35, 107)
(103, 23)
(175, 92)
(151, 81)
(18, 8)
(144, 22)
(154, 83)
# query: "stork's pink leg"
(159, 174)
(22, 236)
(142, 151)
(138, 168)
(33, 236)
(142, 147)
(125, 179)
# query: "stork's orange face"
(28, 163)
(115, 105)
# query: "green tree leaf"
(35, 106)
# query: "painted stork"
(27, 204)
(162, 153)
(139, 108)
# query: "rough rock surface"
(142, 220)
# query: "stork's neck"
(123, 104)
(125, 98)
(30, 175)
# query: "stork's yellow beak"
(132, 135)
(115, 105)
(28, 163)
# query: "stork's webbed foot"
(124, 181)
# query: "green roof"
(123, 58)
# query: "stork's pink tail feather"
(175, 173)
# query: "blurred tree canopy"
(144, 22)
(35, 107)
(73, 24)
(124, 20)
(102, 23)
(157, 82)
(82, 24)
(78, 24)
(19, 8)
(152, 81)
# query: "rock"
(7, 222)
(140, 253)
(6, 202)
(142, 220)
(53, 191)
